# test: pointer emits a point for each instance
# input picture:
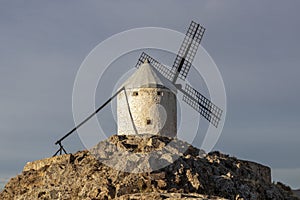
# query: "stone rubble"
(186, 173)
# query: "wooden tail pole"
(59, 142)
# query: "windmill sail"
(201, 104)
(160, 67)
(187, 51)
(180, 69)
(191, 96)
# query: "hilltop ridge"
(188, 174)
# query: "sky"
(255, 45)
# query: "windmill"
(179, 70)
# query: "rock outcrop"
(151, 167)
(297, 193)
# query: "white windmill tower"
(147, 101)
(147, 105)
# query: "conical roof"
(146, 76)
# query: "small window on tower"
(148, 121)
(135, 94)
(159, 93)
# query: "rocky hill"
(154, 167)
(297, 193)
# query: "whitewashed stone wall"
(145, 111)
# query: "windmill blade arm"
(182, 69)
(89, 117)
(187, 51)
(158, 66)
(201, 104)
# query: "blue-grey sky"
(255, 45)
